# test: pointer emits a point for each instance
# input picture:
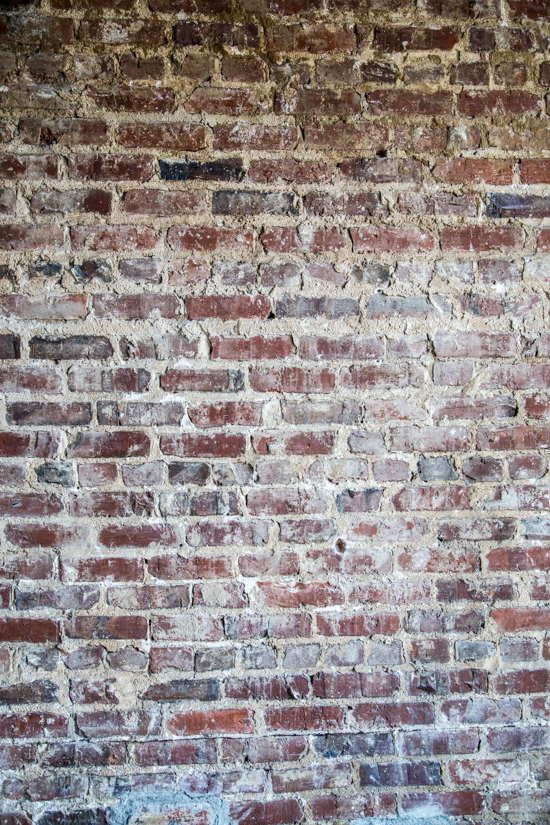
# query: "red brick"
(15, 237)
(209, 239)
(470, 74)
(254, 136)
(357, 624)
(346, 137)
(301, 443)
(216, 534)
(110, 505)
(472, 170)
(254, 348)
(489, 104)
(133, 99)
(513, 438)
(379, 377)
(432, 498)
(292, 380)
(292, 171)
(109, 445)
(158, 203)
(286, 239)
(213, 721)
(175, 380)
(481, 239)
(33, 725)
(62, 307)
(188, 272)
(110, 167)
(139, 536)
(16, 567)
(407, 38)
(46, 535)
(322, 102)
(40, 413)
(394, 714)
(50, 202)
(317, 39)
(428, 560)
(227, 307)
(243, 69)
(106, 627)
(282, 595)
(102, 569)
(30, 379)
(535, 171)
(535, 802)
(118, 723)
(389, 239)
(398, 102)
(134, 307)
(33, 631)
(222, 101)
(203, 445)
(317, 718)
(267, 564)
(352, 807)
(454, 803)
(28, 167)
(349, 348)
(50, 32)
(75, 347)
(174, 137)
(29, 505)
(189, 628)
(518, 618)
(477, 529)
(63, 132)
(240, 413)
(272, 812)
(123, 32)
(519, 558)
(113, 238)
(187, 752)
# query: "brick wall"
(274, 430)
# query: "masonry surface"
(274, 427)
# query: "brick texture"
(274, 437)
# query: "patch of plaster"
(169, 809)
(418, 818)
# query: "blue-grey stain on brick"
(418, 819)
(251, 202)
(94, 816)
(302, 307)
(45, 269)
(229, 169)
(335, 745)
(514, 206)
(395, 774)
(536, 528)
(438, 468)
(203, 690)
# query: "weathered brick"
(405, 103)
(489, 104)
(133, 99)
(110, 167)
(401, 38)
